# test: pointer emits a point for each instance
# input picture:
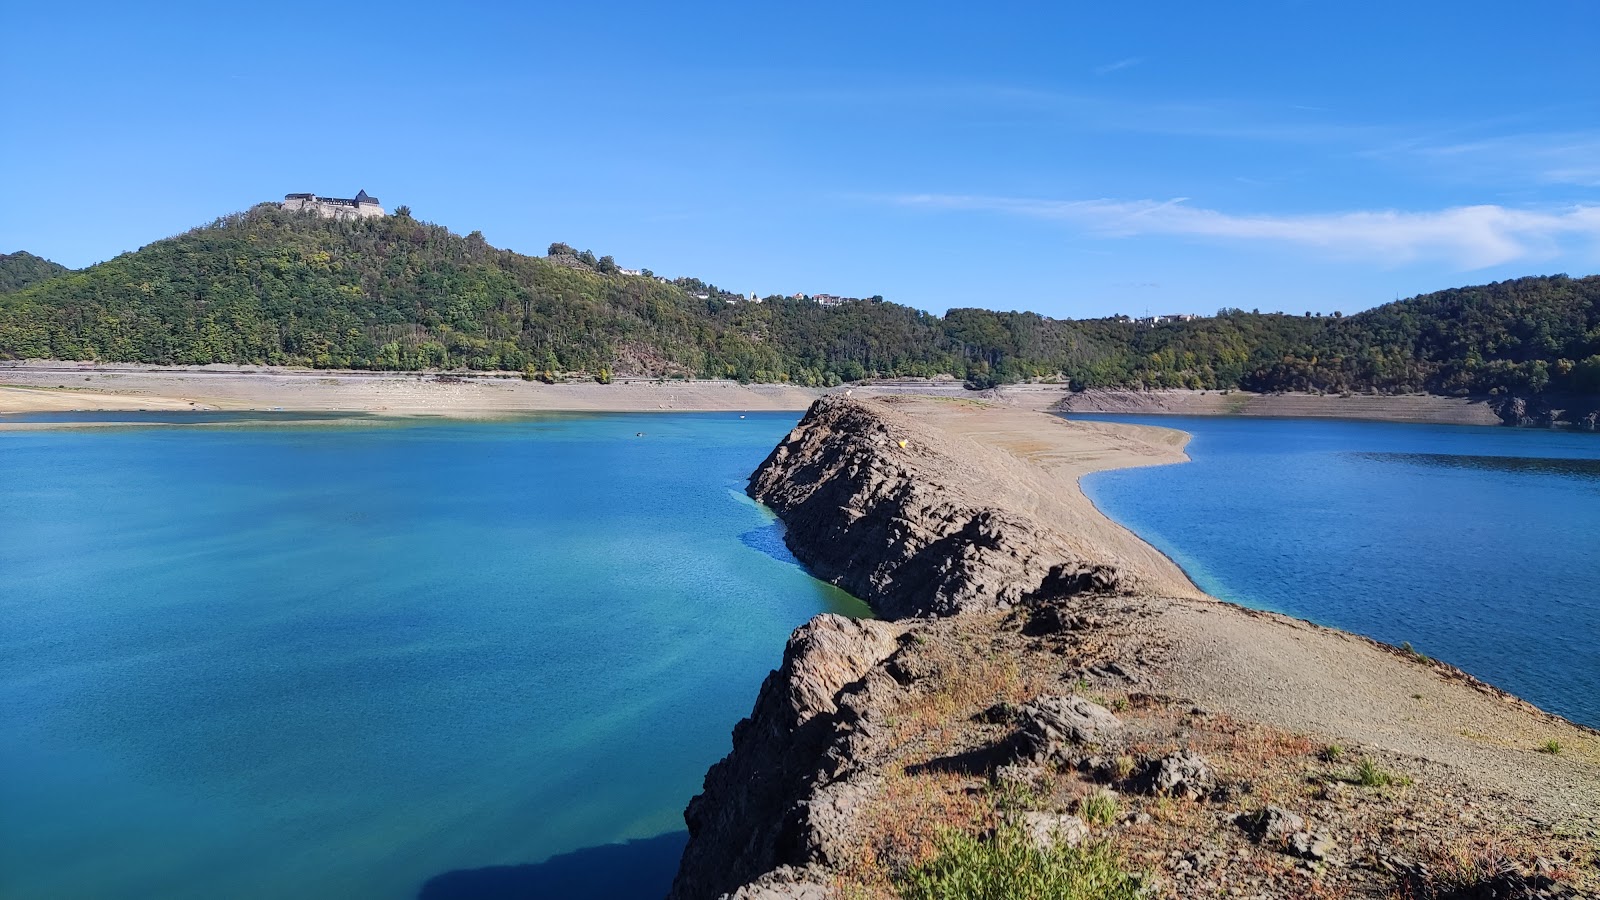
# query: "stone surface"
(1055, 619)
(1029, 777)
(1306, 845)
(1272, 823)
(870, 515)
(761, 806)
(1048, 724)
(1182, 774)
(783, 883)
(812, 776)
(1050, 830)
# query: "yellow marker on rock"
(902, 445)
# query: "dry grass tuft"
(903, 826)
(964, 686)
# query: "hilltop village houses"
(360, 206)
(1153, 321)
(830, 300)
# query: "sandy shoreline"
(1413, 408)
(38, 386)
(73, 387)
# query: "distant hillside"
(1520, 337)
(267, 286)
(21, 269)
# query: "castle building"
(360, 207)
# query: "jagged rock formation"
(763, 806)
(870, 508)
(970, 710)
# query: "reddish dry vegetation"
(1396, 827)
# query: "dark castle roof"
(363, 198)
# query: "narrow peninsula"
(1041, 675)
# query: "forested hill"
(20, 269)
(267, 286)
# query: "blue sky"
(1074, 159)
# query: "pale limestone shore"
(1415, 408)
(54, 386)
(63, 387)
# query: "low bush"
(1008, 866)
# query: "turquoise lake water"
(1479, 546)
(381, 660)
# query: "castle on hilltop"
(360, 207)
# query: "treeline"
(18, 270)
(268, 286)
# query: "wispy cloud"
(1471, 237)
(1566, 158)
(1208, 119)
(1119, 65)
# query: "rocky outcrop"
(870, 507)
(870, 731)
(768, 804)
(1181, 774)
(1050, 723)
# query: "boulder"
(1050, 830)
(1273, 823)
(1051, 722)
(782, 883)
(1027, 777)
(1053, 620)
(1182, 774)
(1306, 845)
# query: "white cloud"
(1472, 237)
(1559, 158)
(1119, 65)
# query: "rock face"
(870, 509)
(1051, 722)
(1008, 609)
(769, 803)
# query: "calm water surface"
(372, 660)
(1479, 546)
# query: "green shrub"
(1099, 808)
(1007, 866)
(1369, 775)
(1415, 654)
(1551, 747)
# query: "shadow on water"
(768, 539)
(1588, 469)
(629, 871)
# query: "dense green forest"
(268, 286)
(18, 270)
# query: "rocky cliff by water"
(1029, 682)
(873, 507)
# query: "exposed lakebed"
(1479, 546)
(377, 659)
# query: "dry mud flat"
(60, 387)
(1042, 668)
(1425, 408)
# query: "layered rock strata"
(873, 508)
